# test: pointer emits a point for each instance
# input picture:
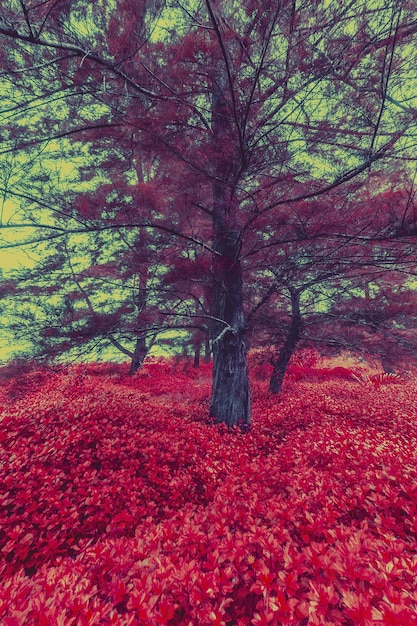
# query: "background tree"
(312, 285)
(380, 320)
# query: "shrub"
(122, 505)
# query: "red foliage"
(308, 357)
(318, 374)
(187, 269)
(120, 504)
(386, 378)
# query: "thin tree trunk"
(207, 349)
(142, 345)
(387, 364)
(197, 353)
(290, 344)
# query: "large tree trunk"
(230, 401)
(290, 344)
(139, 354)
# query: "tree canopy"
(177, 164)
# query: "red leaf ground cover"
(121, 504)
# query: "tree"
(317, 282)
(380, 320)
(271, 105)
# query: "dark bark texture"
(207, 349)
(142, 345)
(139, 354)
(388, 363)
(290, 344)
(197, 353)
(230, 402)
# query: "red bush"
(120, 504)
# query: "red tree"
(270, 105)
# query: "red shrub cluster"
(121, 505)
(385, 378)
(306, 357)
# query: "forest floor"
(121, 504)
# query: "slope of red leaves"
(120, 503)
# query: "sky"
(10, 259)
(13, 259)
